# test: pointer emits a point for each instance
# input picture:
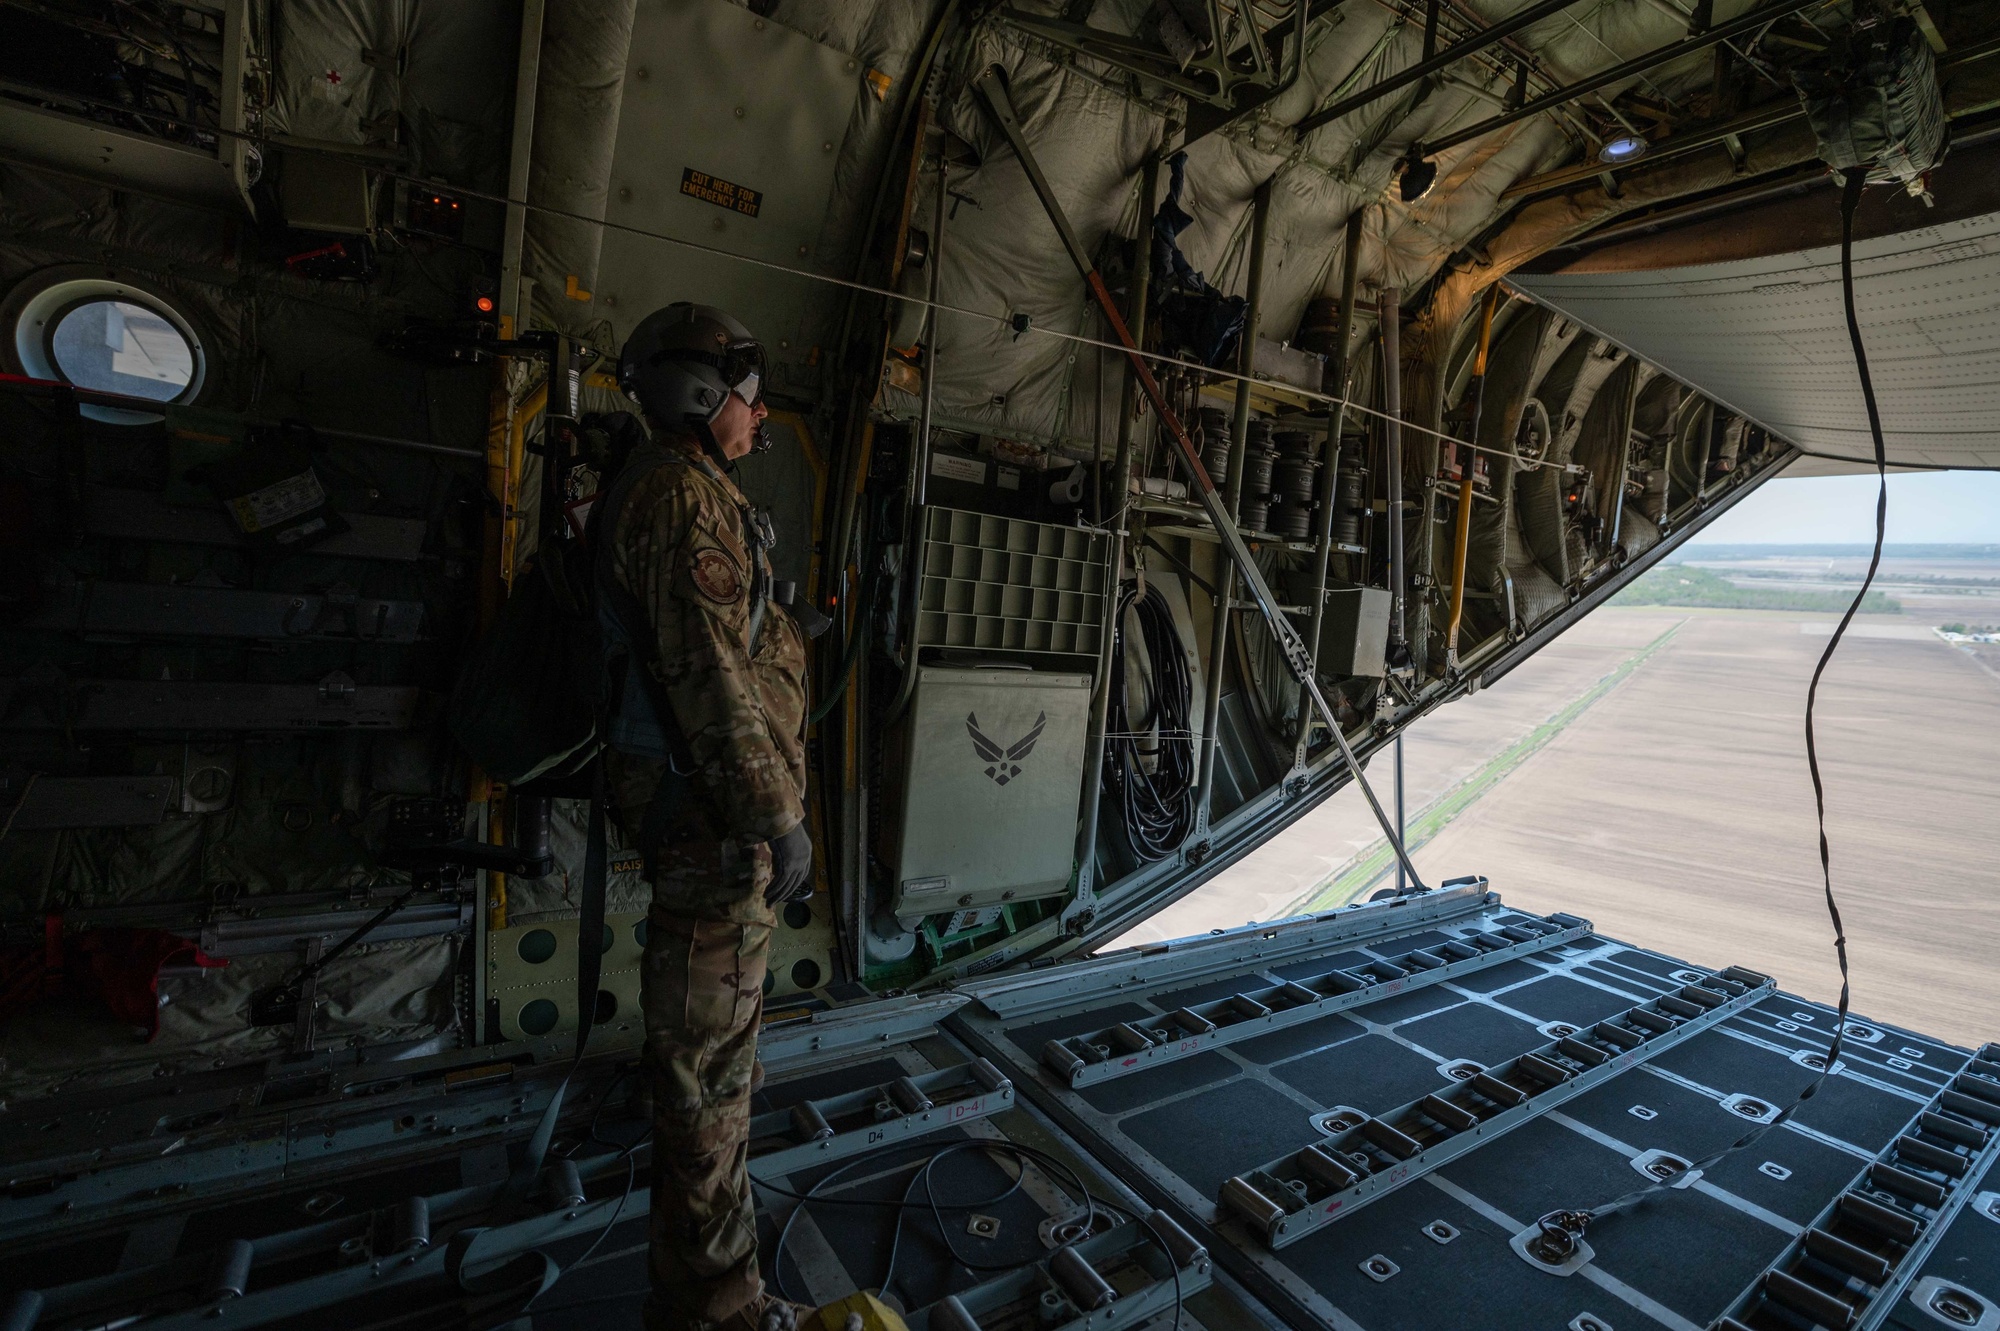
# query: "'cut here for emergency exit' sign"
(712, 189)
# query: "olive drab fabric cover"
(1880, 107)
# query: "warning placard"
(713, 189)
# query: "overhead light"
(1417, 176)
(1624, 148)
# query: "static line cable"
(867, 288)
(1561, 1229)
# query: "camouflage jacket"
(680, 550)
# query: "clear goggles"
(742, 367)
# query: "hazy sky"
(1938, 506)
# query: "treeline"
(1686, 584)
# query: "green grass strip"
(1375, 862)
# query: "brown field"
(1677, 812)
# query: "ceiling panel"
(1768, 337)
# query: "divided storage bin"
(1001, 584)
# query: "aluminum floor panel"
(1176, 1131)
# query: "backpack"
(527, 699)
(562, 671)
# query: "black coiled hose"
(1158, 806)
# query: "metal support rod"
(1225, 583)
(1451, 55)
(520, 155)
(1402, 820)
(1462, 545)
(1342, 372)
(1389, 313)
(1107, 631)
(1659, 55)
(934, 261)
(920, 447)
(991, 89)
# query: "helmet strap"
(711, 447)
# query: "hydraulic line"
(1562, 1228)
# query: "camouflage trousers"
(708, 936)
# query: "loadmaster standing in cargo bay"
(707, 768)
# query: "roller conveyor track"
(1367, 1155)
(1848, 1268)
(1131, 1046)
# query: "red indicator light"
(484, 304)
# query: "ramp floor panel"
(1373, 1074)
(1176, 1131)
(1222, 1131)
(1457, 1286)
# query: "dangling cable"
(1561, 1229)
(1158, 806)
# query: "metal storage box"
(990, 795)
(1354, 636)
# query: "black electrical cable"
(1158, 806)
(1563, 1228)
(1023, 1156)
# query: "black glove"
(791, 867)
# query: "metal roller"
(1079, 1280)
(1542, 1070)
(1816, 1304)
(232, 1270)
(1587, 1054)
(1499, 1092)
(1180, 1244)
(1951, 1130)
(1328, 1168)
(1884, 1220)
(1396, 1143)
(809, 1124)
(565, 1190)
(1134, 1040)
(1455, 1117)
(988, 1076)
(1062, 1060)
(1191, 1021)
(1618, 1035)
(948, 1314)
(1238, 1193)
(413, 1215)
(907, 1097)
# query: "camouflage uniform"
(680, 550)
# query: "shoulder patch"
(716, 577)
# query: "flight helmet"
(683, 361)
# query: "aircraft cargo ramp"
(1352, 1120)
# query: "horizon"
(1934, 508)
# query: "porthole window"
(86, 327)
(116, 346)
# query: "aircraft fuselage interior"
(1157, 408)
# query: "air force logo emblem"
(1003, 765)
